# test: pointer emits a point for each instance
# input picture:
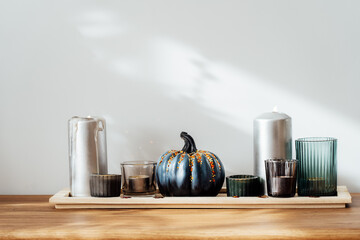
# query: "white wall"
(155, 68)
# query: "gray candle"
(139, 184)
(272, 139)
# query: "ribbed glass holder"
(107, 185)
(243, 185)
(317, 166)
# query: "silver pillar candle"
(272, 140)
(87, 152)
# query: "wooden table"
(34, 217)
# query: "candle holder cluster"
(193, 172)
(314, 170)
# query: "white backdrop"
(156, 68)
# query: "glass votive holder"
(281, 177)
(105, 185)
(317, 170)
(243, 186)
(138, 178)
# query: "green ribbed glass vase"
(243, 186)
(317, 166)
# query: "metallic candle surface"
(139, 184)
(272, 139)
(87, 152)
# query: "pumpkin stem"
(189, 146)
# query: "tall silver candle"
(272, 139)
(87, 152)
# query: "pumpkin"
(189, 172)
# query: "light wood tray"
(63, 201)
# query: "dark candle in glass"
(282, 186)
(281, 177)
(138, 178)
(315, 186)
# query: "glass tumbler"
(281, 177)
(317, 172)
(138, 178)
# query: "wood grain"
(62, 200)
(34, 217)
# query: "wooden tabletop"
(34, 217)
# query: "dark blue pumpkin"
(189, 172)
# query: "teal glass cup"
(243, 186)
(317, 166)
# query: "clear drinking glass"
(281, 177)
(138, 177)
(317, 171)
